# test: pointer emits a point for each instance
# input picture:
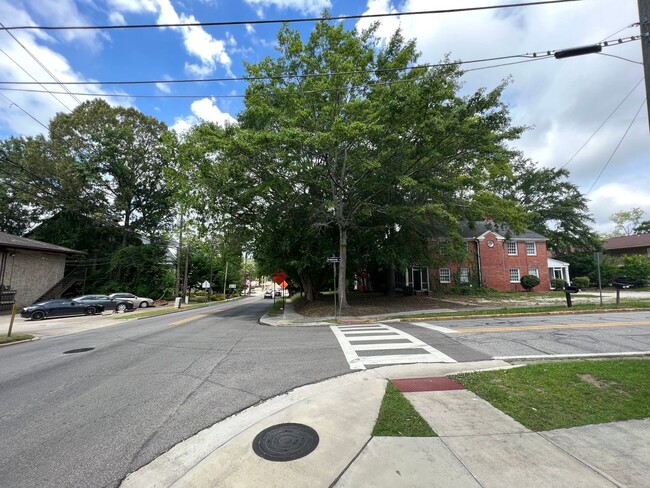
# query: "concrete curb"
(35, 338)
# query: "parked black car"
(60, 308)
(116, 304)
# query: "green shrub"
(636, 269)
(529, 282)
(408, 290)
(581, 281)
(558, 283)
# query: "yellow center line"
(189, 319)
(549, 326)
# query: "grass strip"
(587, 307)
(14, 338)
(567, 394)
(398, 418)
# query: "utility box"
(177, 302)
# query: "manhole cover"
(81, 349)
(285, 442)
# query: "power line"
(529, 56)
(29, 74)
(604, 122)
(616, 148)
(23, 110)
(38, 61)
(213, 95)
(284, 21)
(621, 57)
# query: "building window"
(467, 247)
(514, 275)
(531, 249)
(534, 272)
(445, 275)
(512, 248)
(464, 275)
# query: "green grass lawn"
(398, 418)
(587, 307)
(14, 338)
(567, 394)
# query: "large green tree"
(555, 207)
(122, 154)
(341, 133)
(626, 222)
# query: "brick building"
(628, 245)
(494, 257)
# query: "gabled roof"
(481, 227)
(642, 240)
(15, 242)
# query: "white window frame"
(518, 280)
(463, 275)
(533, 272)
(512, 245)
(447, 273)
(534, 249)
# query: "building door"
(417, 279)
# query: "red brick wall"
(495, 265)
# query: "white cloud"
(304, 6)
(250, 29)
(614, 197)
(205, 110)
(564, 100)
(199, 43)
(116, 18)
(16, 62)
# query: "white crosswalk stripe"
(350, 335)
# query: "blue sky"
(562, 101)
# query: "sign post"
(206, 286)
(334, 260)
(598, 257)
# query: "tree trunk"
(343, 246)
(308, 286)
(391, 281)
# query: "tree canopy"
(343, 142)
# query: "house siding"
(32, 273)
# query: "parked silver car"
(138, 302)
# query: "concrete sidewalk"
(478, 445)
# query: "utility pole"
(187, 269)
(644, 20)
(178, 258)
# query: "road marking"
(437, 328)
(189, 319)
(348, 336)
(548, 326)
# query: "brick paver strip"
(442, 383)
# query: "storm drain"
(81, 349)
(285, 442)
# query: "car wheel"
(120, 308)
(144, 305)
(37, 316)
(90, 311)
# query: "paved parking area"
(67, 325)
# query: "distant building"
(495, 257)
(30, 269)
(628, 245)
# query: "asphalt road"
(546, 336)
(88, 419)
